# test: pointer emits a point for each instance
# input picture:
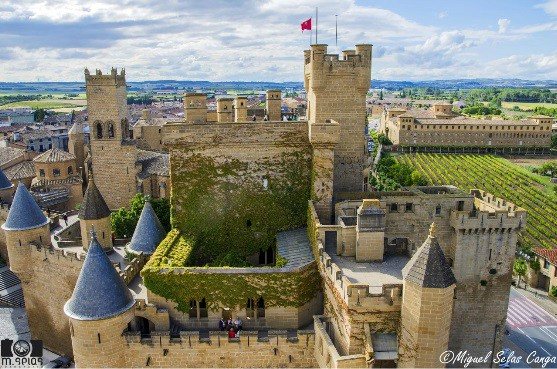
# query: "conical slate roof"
(93, 205)
(24, 212)
(428, 267)
(148, 233)
(100, 292)
(4, 181)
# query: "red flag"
(306, 25)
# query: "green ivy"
(163, 276)
(226, 211)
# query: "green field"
(502, 178)
(54, 104)
(526, 105)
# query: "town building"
(440, 126)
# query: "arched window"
(203, 308)
(99, 130)
(193, 309)
(110, 130)
(250, 308)
(56, 172)
(70, 170)
(261, 308)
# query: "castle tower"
(195, 107)
(25, 223)
(336, 91)
(99, 310)
(427, 306)
(224, 110)
(273, 104)
(113, 155)
(6, 188)
(241, 109)
(148, 233)
(76, 145)
(95, 213)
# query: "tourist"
(238, 323)
(65, 217)
(265, 118)
(222, 324)
(231, 333)
(254, 118)
(229, 324)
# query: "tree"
(124, 220)
(418, 179)
(554, 141)
(380, 94)
(39, 115)
(519, 268)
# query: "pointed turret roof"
(76, 129)
(148, 233)
(93, 205)
(4, 181)
(100, 292)
(24, 212)
(428, 267)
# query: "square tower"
(336, 90)
(273, 105)
(113, 154)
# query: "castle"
(439, 126)
(270, 224)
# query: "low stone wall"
(214, 349)
(326, 353)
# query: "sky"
(255, 40)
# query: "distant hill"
(178, 86)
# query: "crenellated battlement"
(319, 65)
(49, 251)
(106, 79)
(491, 214)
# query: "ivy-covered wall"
(166, 276)
(231, 199)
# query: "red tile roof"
(548, 254)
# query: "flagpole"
(310, 33)
(316, 23)
(336, 29)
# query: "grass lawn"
(48, 104)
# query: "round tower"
(148, 233)
(427, 307)
(99, 310)
(95, 213)
(25, 223)
(6, 188)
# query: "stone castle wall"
(217, 351)
(114, 169)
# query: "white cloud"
(503, 24)
(550, 7)
(239, 40)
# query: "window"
(409, 207)
(250, 308)
(545, 264)
(70, 170)
(56, 172)
(41, 172)
(261, 308)
(438, 210)
(203, 308)
(193, 309)
(460, 206)
(110, 130)
(393, 208)
(99, 130)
